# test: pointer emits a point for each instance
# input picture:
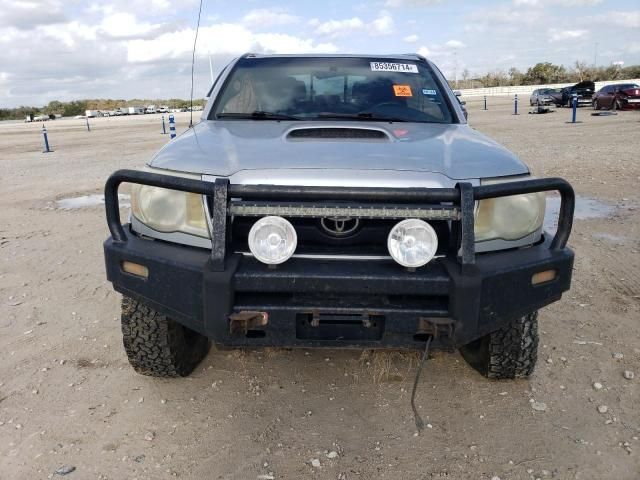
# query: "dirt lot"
(68, 396)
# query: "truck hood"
(226, 148)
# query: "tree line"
(78, 107)
(545, 73)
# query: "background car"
(617, 97)
(584, 90)
(545, 96)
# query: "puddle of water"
(585, 208)
(88, 201)
(608, 237)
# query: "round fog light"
(412, 243)
(272, 240)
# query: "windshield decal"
(402, 91)
(393, 67)
(427, 91)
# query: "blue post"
(515, 105)
(164, 129)
(485, 102)
(574, 102)
(88, 127)
(172, 126)
(46, 140)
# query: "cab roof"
(395, 56)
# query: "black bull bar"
(455, 204)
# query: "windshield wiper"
(258, 115)
(362, 116)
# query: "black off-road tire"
(158, 346)
(510, 352)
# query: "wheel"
(509, 352)
(617, 104)
(596, 106)
(614, 104)
(158, 346)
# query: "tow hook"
(435, 327)
(241, 322)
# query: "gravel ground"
(71, 406)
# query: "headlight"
(412, 243)
(509, 218)
(169, 210)
(272, 240)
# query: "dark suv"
(583, 91)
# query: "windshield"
(310, 88)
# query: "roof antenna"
(193, 61)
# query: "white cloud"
(282, 43)
(424, 51)
(508, 19)
(383, 25)
(265, 17)
(562, 3)
(628, 19)
(410, 3)
(455, 44)
(557, 35)
(336, 28)
(27, 14)
(411, 38)
(220, 39)
(126, 25)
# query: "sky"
(75, 49)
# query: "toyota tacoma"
(335, 201)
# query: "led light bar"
(253, 209)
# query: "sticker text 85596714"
(393, 67)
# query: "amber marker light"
(135, 269)
(543, 277)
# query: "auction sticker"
(393, 67)
(402, 91)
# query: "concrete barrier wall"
(527, 89)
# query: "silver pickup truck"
(335, 201)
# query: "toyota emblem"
(339, 226)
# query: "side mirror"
(457, 93)
(462, 102)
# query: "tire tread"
(509, 352)
(156, 345)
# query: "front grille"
(358, 228)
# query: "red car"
(617, 97)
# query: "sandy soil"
(68, 396)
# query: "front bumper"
(335, 303)
(339, 303)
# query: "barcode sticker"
(393, 67)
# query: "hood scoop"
(337, 133)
